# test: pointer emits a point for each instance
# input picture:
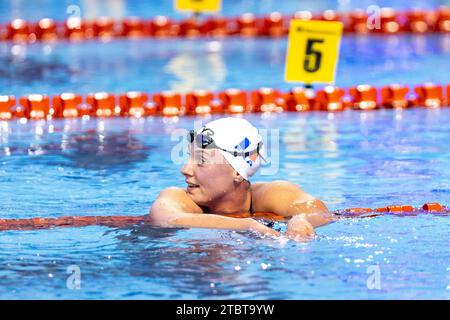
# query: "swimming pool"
(118, 166)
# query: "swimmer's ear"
(237, 177)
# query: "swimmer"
(223, 155)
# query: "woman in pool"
(224, 154)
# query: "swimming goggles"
(204, 140)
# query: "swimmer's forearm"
(319, 219)
(190, 220)
(314, 211)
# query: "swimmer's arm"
(219, 222)
(173, 208)
(287, 199)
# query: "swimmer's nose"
(187, 169)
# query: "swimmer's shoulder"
(175, 199)
(266, 196)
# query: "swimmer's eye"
(198, 157)
(202, 159)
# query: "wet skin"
(215, 190)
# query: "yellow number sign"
(197, 5)
(313, 50)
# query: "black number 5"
(312, 54)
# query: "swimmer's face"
(208, 175)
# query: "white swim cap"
(241, 137)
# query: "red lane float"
(246, 25)
(123, 221)
(230, 101)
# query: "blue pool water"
(118, 167)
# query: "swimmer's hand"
(300, 229)
(189, 220)
(259, 227)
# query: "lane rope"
(230, 101)
(247, 25)
(124, 221)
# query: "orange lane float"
(394, 96)
(132, 27)
(104, 28)
(357, 22)
(230, 101)
(428, 95)
(168, 103)
(402, 210)
(216, 27)
(267, 100)
(135, 104)
(246, 25)
(35, 106)
(363, 97)
(274, 25)
(190, 28)
(18, 30)
(389, 22)
(45, 30)
(102, 104)
(234, 101)
(162, 27)
(299, 99)
(330, 99)
(74, 29)
(68, 105)
(447, 100)
(442, 22)
(201, 102)
(123, 221)
(7, 103)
